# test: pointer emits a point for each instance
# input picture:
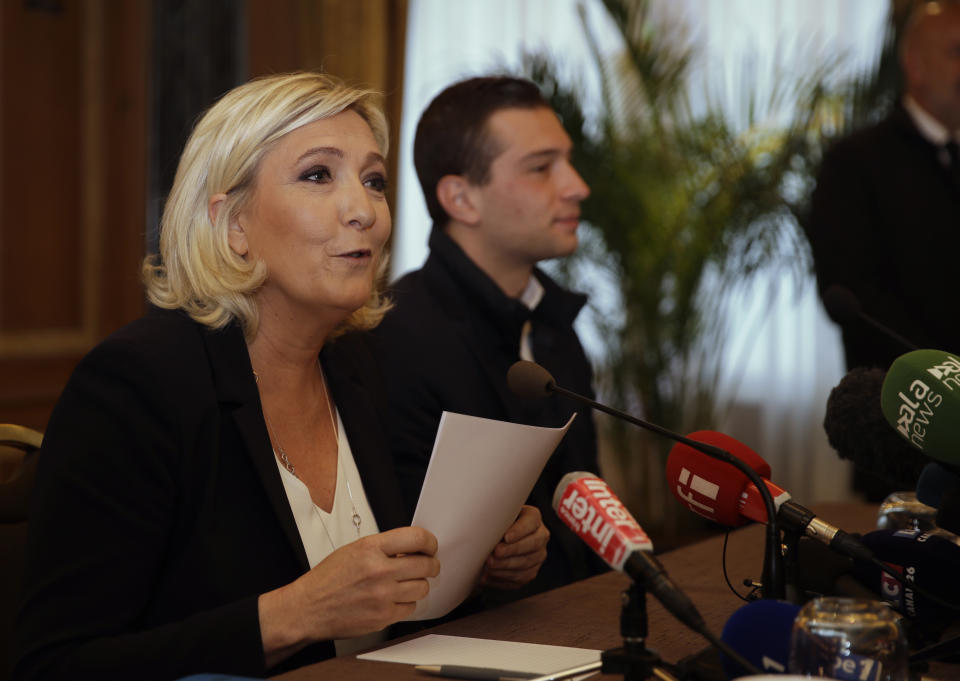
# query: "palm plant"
(684, 209)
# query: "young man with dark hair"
(494, 164)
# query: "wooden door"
(73, 176)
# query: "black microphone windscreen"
(928, 559)
(842, 306)
(948, 512)
(529, 379)
(857, 429)
(936, 480)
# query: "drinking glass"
(848, 639)
(902, 511)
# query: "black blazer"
(159, 514)
(885, 223)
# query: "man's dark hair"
(452, 136)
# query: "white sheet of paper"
(480, 473)
(480, 652)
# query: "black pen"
(479, 673)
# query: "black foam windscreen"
(935, 481)
(529, 379)
(858, 431)
(842, 306)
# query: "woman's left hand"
(519, 555)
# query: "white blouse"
(321, 532)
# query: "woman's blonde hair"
(196, 270)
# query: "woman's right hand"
(359, 588)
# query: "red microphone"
(710, 487)
(719, 492)
(751, 503)
(587, 506)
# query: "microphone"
(593, 512)
(530, 380)
(934, 482)
(824, 572)
(760, 632)
(587, 506)
(844, 308)
(857, 429)
(920, 398)
(929, 562)
(939, 487)
(712, 488)
(721, 493)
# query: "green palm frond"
(685, 209)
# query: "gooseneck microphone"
(593, 512)
(530, 380)
(844, 308)
(711, 489)
(720, 493)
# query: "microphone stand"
(773, 581)
(634, 660)
(791, 543)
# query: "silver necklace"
(285, 460)
(354, 516)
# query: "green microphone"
(920, 398)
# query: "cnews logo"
(890, 587)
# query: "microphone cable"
(726, 575)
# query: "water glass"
(848, 639)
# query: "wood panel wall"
(72, 146)
(361, 41)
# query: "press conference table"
(586, 614)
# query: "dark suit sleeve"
(847, 244)
(101, 531)
(415, 406)
(839, 221)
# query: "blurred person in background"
(886, 208)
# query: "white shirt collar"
(931, 129)
(533, 293)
